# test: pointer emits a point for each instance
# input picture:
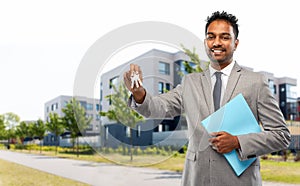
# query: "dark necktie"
(217, 90)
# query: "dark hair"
(231, 19)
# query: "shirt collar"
(226, 71)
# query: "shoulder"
(247, 73)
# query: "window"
(101, 91)
(168, 87)
(160, 87)
(160, 128)
(97, 107)
(54, 106)
(272, 86)
(164, 68)
(128, 132)
(106, 132)
(89, 106)
(113, 81)
(138, 131)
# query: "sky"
(43, 42)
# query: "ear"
(236, 43)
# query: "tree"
(195, 60)
(2, 128)
(55, 126)
(11, 120)
(120, 112)
(22, 131)
(39, 130)
(75, 120)
(31, 132)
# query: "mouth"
(217, 51)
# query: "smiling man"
(200, 94)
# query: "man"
(200, 94)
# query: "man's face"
(220, 42)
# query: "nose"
(216, 42)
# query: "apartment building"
(91, 106)
(161, 72)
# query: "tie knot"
(218, 75)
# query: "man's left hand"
(224, 142)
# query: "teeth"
(218, 51)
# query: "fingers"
(223, 142)
(133, 78)
(132, 67)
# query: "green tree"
(39, 129)
(195, 60)
(31, 133)
(11, 120)
(75, 120)
(120, 112)
(22, 131)
(2, 128)
(55, 126)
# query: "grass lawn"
(271, 170)
(287, 172)
(13, 174)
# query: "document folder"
(235, 118)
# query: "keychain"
(135, 79)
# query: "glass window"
(97, 107)
(168, 87)
(138, 131)
(164, 68)
(89, 106)
(106, 132)
(101, 91)
(160, 128)
(113, 81)
(160, 87)
(291, 91)
(272, 86)
(128, 133)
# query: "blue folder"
(235, 118)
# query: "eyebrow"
(224, 33)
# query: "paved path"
(98, 174)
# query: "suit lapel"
(231, 84)
(206, 88)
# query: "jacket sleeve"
(167, 105)
(275, 135)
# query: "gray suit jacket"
(203, 165)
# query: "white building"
(92, 108)
(161, 72)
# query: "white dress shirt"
(225, 75)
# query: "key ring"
(135, 80)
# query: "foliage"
(39, 130)
(120, 112)
(55, 126)
(22, 130)
(195, 64)
(10, 120)
(2, 128)
(75, 120)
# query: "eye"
(225, 38)
(210, 37)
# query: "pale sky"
(43, 42)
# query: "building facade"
(162, 71)
(91, 106)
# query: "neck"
(220, 66)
